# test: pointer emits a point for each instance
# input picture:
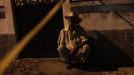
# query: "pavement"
(55, 66)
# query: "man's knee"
(63, 50)
(85, 48)
(61, 47)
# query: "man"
(73, 44)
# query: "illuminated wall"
(6, 22)
(100, 21)
(117, 29)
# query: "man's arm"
(60, 40)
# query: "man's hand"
(60, 47)
(71, 46)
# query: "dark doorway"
(44, 44)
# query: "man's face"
(68, 21)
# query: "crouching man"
(73, 43)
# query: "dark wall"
(44, 44)
(108, 48)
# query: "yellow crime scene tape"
(14, 52)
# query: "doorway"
(44, 44)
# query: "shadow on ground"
(105, 55)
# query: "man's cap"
(69, 15)
(74, 18)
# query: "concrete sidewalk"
(54, 66)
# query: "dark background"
(44, 44)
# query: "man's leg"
(83, 53)
(64, 54)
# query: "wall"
(7, 34)
(107, 28)
(101, 21)
(6, 24)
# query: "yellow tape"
(13, 53)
